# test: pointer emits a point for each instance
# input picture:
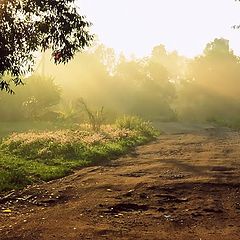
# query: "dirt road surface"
(185, 185)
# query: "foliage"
(161, 87)
(75, 143)
(27, 26)
(36, 156)
(96, 119)
(137, 124)
(30, 107)
(143, 87)
(7, 128)
(212, 87)
(233, 123)
(31, 101)
(17, 172)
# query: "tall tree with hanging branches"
(28, 26)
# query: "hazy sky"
(135, 26)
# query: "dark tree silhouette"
(27, 26)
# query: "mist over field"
(163, 86)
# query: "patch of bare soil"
(182, 186)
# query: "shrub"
(137, 124)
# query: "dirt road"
(183, 186)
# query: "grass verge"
(30, 157)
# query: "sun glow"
(135, 26)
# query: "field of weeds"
(36, 156)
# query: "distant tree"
(172, 61)
(212, 86)
(144, 86)
(27, 26)
(107, 57)
(217, 66)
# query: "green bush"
(137, 124)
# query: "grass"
(34, 156)
(7, 128)
(230, 123)
(18, 172)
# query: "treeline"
(162, 86)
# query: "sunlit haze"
(135, 26)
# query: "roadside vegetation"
(53, 125)
(36, 156)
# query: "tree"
(172, 61)
(212, 87)
(27, 26)
(144, 87)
